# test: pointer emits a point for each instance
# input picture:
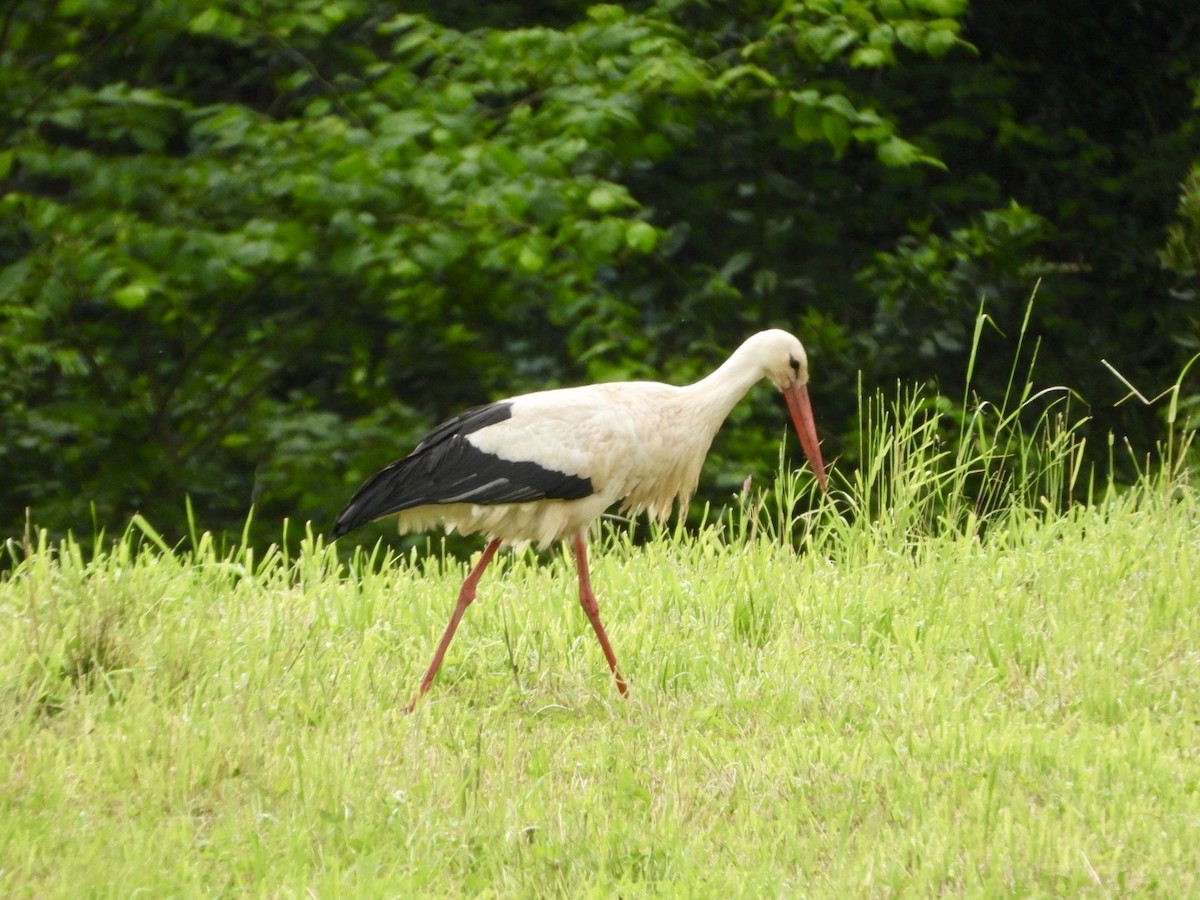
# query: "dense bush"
(251, 249)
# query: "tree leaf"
(837, 131)
(641, 236)
(132, 296)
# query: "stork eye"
(795, 364)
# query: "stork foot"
(587, 600)
(466, 595)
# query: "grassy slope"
(901, 706)
(881, 713)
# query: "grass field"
(903, 689)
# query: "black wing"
(447, 468)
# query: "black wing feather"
(446, 468)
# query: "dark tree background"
(250, 249)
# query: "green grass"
(946, 678)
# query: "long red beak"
(802, 417)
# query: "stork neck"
(714, 396)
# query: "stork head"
(782, 357)
(784, 361)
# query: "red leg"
(465, 595)
(588, 601)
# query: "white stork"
(541, 467)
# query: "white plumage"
(541, 467)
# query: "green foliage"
(208, 290)
(1181, 253)
(928, 288)
(250, 250)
